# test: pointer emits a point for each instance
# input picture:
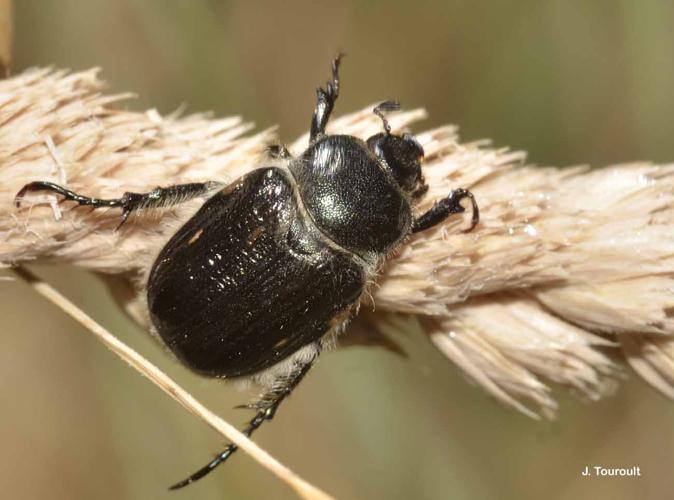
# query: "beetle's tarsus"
(446, 207)
(266, 409)
(66, 193)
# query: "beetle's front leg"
(446, 207)
(325, 102)
(158, 197)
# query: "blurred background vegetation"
(569, 81)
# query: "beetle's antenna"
(386, 107)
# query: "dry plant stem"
(166, 384)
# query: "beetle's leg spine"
(442, 209)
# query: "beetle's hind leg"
(266, 408)
(158, 197)
(446, 207)
(325, 102)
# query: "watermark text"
(599, 471)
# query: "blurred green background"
(571, 82)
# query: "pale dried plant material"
(565, 266)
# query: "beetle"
(274, 265)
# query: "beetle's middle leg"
(446, 207)
(266, 408)
(158, 197)
(325, 102)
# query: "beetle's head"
(401, 155)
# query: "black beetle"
(274, 265)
